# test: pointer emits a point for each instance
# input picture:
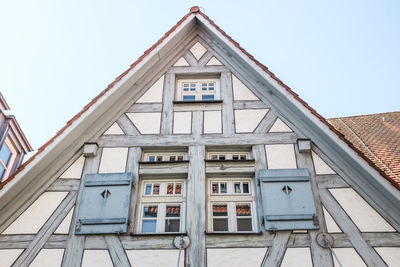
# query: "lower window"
(232, 217)
(162, 206)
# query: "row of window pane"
(193, 98)
(225, 157)
(152, 189)
(151, 217)
(166, 158)
(222, 187)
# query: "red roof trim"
(193, 10)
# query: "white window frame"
(162, 201)
(165, 155)
(198, 93)
(228, 155)
(231, 199)
(7, 166)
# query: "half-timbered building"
(198, 154)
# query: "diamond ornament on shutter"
(104, 204)
(288, 201)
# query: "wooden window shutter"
(288, 201)
(104, 204)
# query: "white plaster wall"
(146, 122)
(297, 257)
(320, 165)
(31, 220)
(48, 258)
(348, 257)
(64, 226)
(114, 130)
(362, 214)
(280, 127)
(154, 93)
(214, 62)
(331, 225)
(198, 50)
(155, 257)
(212, 122)
(8, 256)
(281, 156)
(235, 257)
(181, 63)
(182, 122)
(246, 120)
(113, 159)
(96, 258)
(240, 91)
(390, 255)
(75, 170)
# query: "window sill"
(198, 102)
(158, 234)
(234, 233)
(228, 160)
(163, 162)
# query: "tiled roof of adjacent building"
(377, 136)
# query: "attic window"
(162, 157)
(223, 155)
(7, 158)
(190, 90)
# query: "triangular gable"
(270, 90)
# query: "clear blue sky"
(342, 57)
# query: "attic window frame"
(11, 159)
(198, 93)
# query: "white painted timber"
(246, 120)
(321, 167)
(96, 258)
(146, 122)
(295, 257)
(181, 63)
(348, 257)
(155, 257)
(212, 122)
(114, 130)
(331, 225)
(75, 170)
(64, 226)
(154, 93)
(214, 62)
(48, 258)
(198, 50)
(8, 256)
(37, 214)
(280, 127)
(390, 255)
(113, 160)
(182, 122)
(240, 91)
(281, 156)
(249, 257)
(360, 212)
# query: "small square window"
(172, 158)
(235, 157)
(180, 158)
(197, 90)
(159, 158)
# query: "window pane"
(214, 156)
(178, 189)
(159, 158)
(243, 210)
(1, 171)
(149, 226)
(156, 189)
(189, 98)
(150, 211)
(148, 189)
(172, 158)
(220, 224)
(173, 211)
(223, 188)
(237, 187)
(152, 158)
(246, 188)
(170, 189)
(215, 188)
(244, 225)
(207, 97)
(220, 210)
(221, 157)
(180, 157)
(172, 225)
(235, 157)
(5, 154)
(242, 157)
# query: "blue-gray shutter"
(288, 201)
(104, 204)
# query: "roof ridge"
(364, 115)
